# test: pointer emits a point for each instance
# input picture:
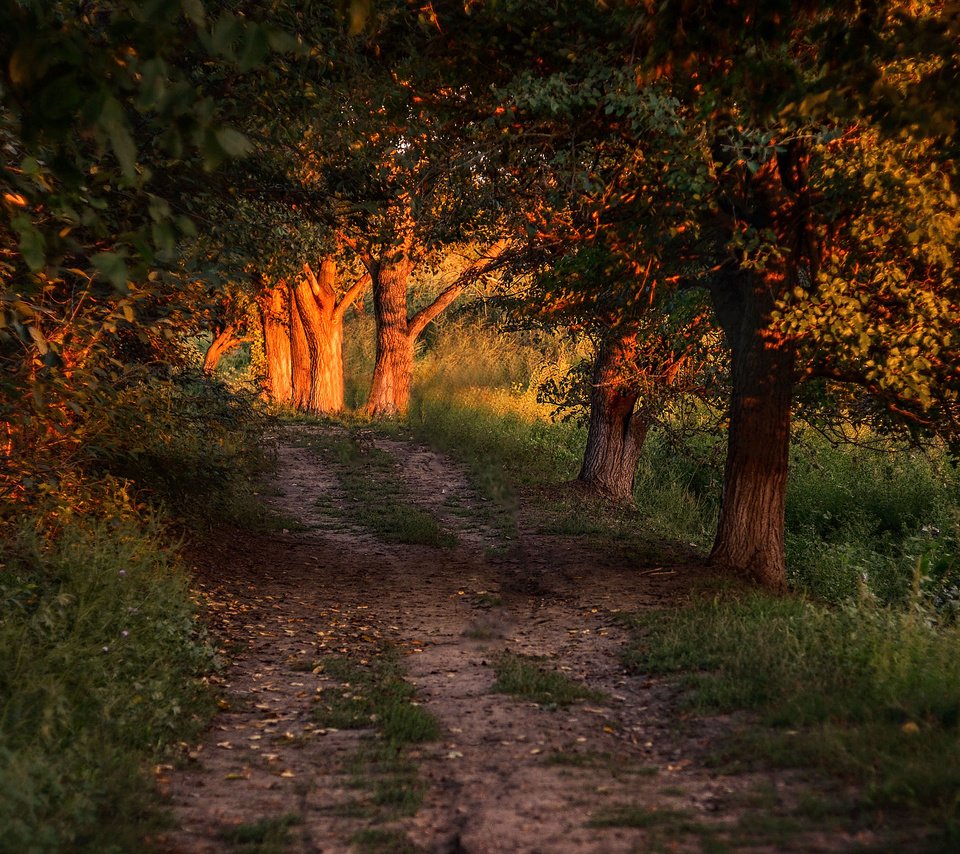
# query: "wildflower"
(105, 649)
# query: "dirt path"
(506, 775)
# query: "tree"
(816, 266)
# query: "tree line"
(750, 201)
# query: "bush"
(189, 442)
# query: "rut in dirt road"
(504, 774)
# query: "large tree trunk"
(315, 298)
(750, 531)
(301, 374)
(223, 342)
(617, 433)
(276, 345)
(393, 370)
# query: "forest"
(479, 425)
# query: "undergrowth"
(105, 664)
(103, 670)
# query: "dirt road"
(627, 772)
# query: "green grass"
(375, 497)
(869, 694)
(266, 836)
(374, 695)
(633, 815)
(101, 673)
(528, 679)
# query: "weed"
(524, 677)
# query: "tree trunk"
(299, 357)
(315, 298)
(223, 342)
(750, 531)
(276, 345)
(616, 435)
(393, 370)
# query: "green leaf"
(234, 143)
(33, 245)
(113, 268)
(113, 120)
(226, 33)
(255, 48)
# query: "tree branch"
(357, 288)
(495, 257)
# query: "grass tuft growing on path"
(528, 679)
(374, 494)
(374, 695)
(266, 836)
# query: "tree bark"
(393, 370)
(315, 298)
(617, 432)
(276, 343)
(223, 342)
(750, 530)
(300, 370)
(396, 333)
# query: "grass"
(102, 673)
(374, 495)
(375, 840)
(868, 694)
(526, 678)
(266, 836)
(613, 764)
(376, 696)
(633, 815)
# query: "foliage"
(105, 670)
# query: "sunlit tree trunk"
(393, 369)
(397, 334)
(276, 345)
(315, 298)
(617, 431)
(223, 342)
(300, 368)
(750, 530)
